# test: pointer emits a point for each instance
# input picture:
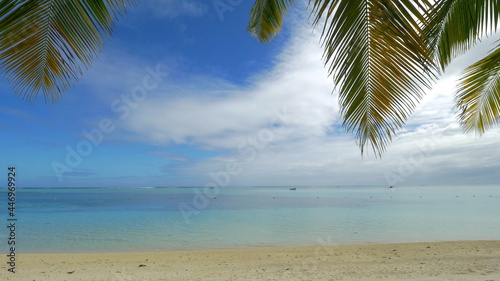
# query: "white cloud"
(308, 147)
(221, 115)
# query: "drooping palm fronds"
(457, 25)
(266, 18)
(478, 98)
(46, 44)
(382, 55)
(377, 55)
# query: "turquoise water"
(163, 219)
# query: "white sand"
(471, 260)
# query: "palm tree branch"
(266, 18)
(378, 56)
(46, 44)
(457, 25)
(478, 97)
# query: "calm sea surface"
(164, 219)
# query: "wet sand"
(462, 260)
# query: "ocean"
(170, 219)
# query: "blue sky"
(184, 96)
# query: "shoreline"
(242, 248)
(456, 260)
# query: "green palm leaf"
(457, 25)
(378, 57)
(383, 54)
(266, 18)
(478, 98)
(46, 44)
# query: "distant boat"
(390, 186)
(293, 188)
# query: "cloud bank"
(283, 127)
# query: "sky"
(183, 96)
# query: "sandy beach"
(470, 260)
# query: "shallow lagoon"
(164, 219)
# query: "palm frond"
(380, 60)
(478, 97)
(46, 44)
(6, 6)
(457, 25)
(266, 18)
